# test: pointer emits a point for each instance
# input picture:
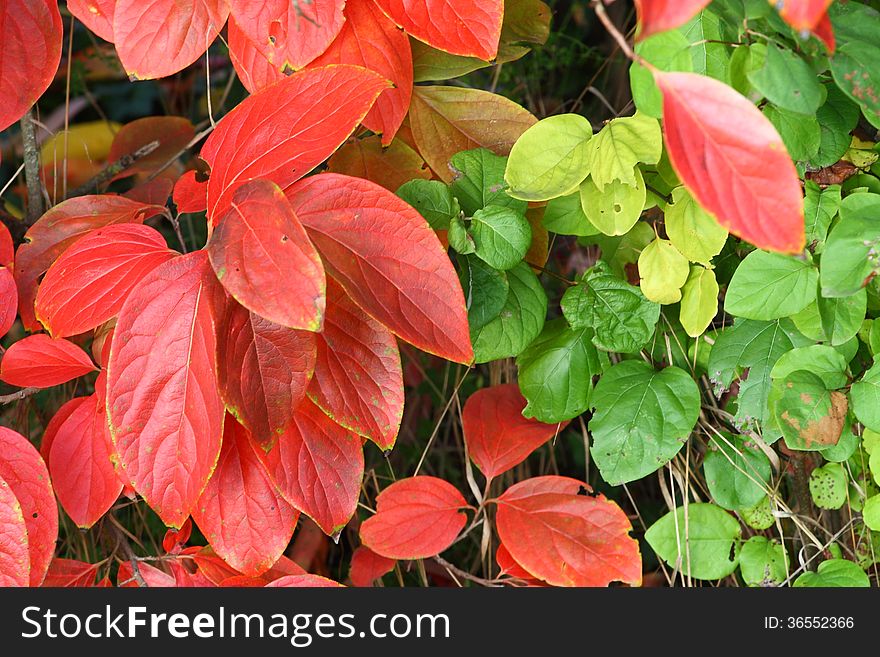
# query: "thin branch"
(18, 395)
(627, 50)
(112, 170)
(458, 572)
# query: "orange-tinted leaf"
(23, 469)
(156, 38)
(190, 193)
(209, 565)
(284, 131)
(270, 38)
(447, 120)
(388, 259)
(824, 31)
(57, 230)
(152, 576)
(166, 416)
(557, 532)
(89, 283)
(264, 370)
(172, 132)
(371, 40)
(461, 27)
(803, 14)
(358, 379)
(97, 15)
(367, 566)
(8, 300)
(152, 192)
(70, 573)
(30, 31)
(416, 518)
(15, 562)
(732, 160)
(318, 467)
(661, 15)
(511, 568)
(304, 581)
(390, 166)
(282, 568)
(38, 361)
(263, 257)
(56, 422)
(497, 435)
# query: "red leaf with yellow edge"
(318, 467)
(448, 120)
(171, 133)
(732, 160)
(284, 131)
(661, 15)
(358, 378)
(263, 257)
(89, 283)
(23, 469)
(38, 361)
(367, 566)
(240, 512)
(152, 576)
(264, 370)
(8, 300)
(387, 259)
(15, 562)
(97, 15)
(55, 423)
(558, 532)
(31, 34)
(61, 227)
(462, 27)
(270, 38)
(803, 14)
(497, 435)
(166, 416)
(370, 39)
(389, 167)
(416, 518)
(304, 581)
(157, 38)
(70, 573)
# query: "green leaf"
(788, 82)
(745, 61)
(620, 146)
(643, 418)
(865, 396)
(737, 472)
(485, 291)
(565, 216)
(549, 159)
(709, 56)
(842, 317)
(825, 362)
(556, 372)
(699, 300)
(770, 285)
(851, 251)
(829, 486)
(695, 232)
(698, 541)
(667, 51)
(459, 237)
(837, 118)
(663, 271)
(478, 181)
(856, 70)
(820, 207)
(809, 415)
(871, 513)
(620, 251)
(763, 562)
(800, 132)
(616, 209)
(622, 318)
(502, 236)
(433, 199)
(519, 322)
(837, 573)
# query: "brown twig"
(463, 574)
(616, 34)
(112, 170)
(32, 167)
(18, 395)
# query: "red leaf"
(498, 437)
(31, 32)
(152, 192)
(175, 539)
(57, 230)
(70, 573)
(89, 283)
(166, 417)
(358, 379)
(210, 566)
(824, 31)
(803, 14)
(191, 195)
(15, 561)
(567, 538)
(461, 27)
(270, 38)
(511, 568)
(97, 15)
(304, 581)
(38, 361)
(152, 576)
(367, 566)
(8, 300)
(661, 15)
(7, 250)
(284, 131)
(23, 469)
(263, 370)
(243, 581)
(55, 423)
(172, 133)
(240, 513)
(282, 568)
(371, 40)
(732, 160)
(416, 518)
(85, 481)
(388, 260)
(263, 257)
(318, 466)
(156, 38)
